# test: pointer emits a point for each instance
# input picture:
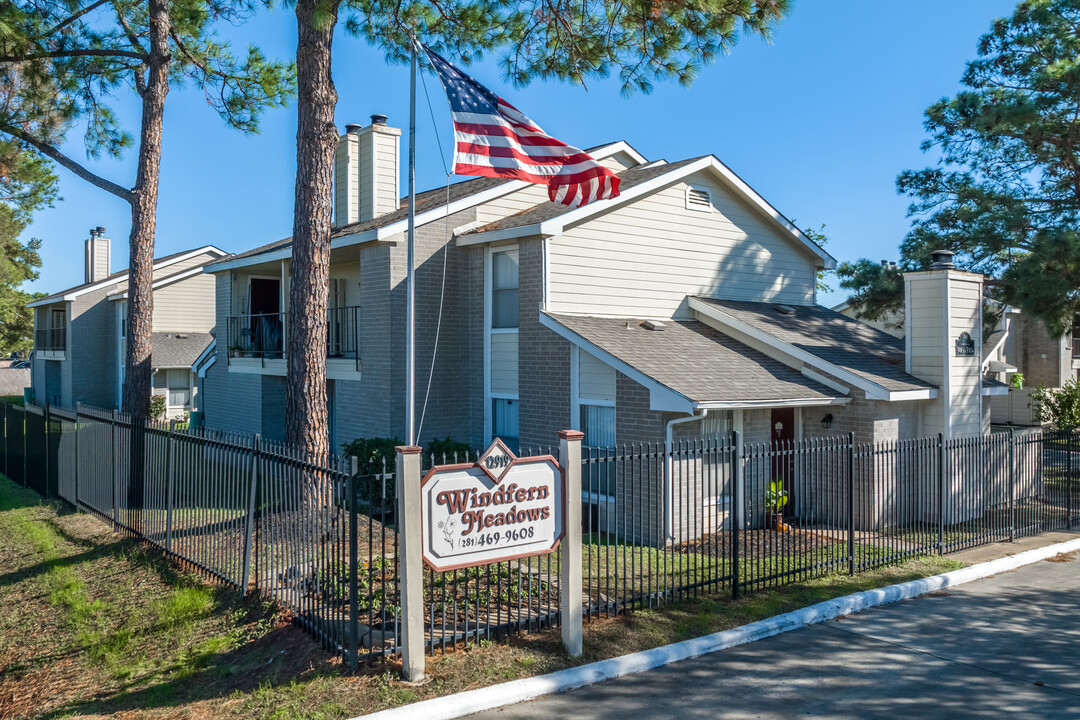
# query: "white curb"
(509, 693)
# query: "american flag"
(494, 139)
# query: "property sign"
(499, 508)
(965, 346)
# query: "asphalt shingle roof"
(870, 353)
(696, 361)
(177, 349)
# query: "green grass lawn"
(95, 625)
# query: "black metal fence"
(707, 516)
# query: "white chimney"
(366, 172)
(943, 331)
(97, 256)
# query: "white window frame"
(576, 403)
(698, 208)
(489, 419)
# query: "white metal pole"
(410, 282)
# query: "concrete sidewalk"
(1004, 646)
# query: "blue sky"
(820, 122)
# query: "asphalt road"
(1007, 646)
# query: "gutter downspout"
(669, 490)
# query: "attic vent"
(698, 199)
(785, 309)
(652, 325)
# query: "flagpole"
(410, 281)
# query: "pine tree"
(641, 41)
(61, 64)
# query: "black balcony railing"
(50, 339)
(264, 335)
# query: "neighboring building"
(1019, 344)
(79, 342)
(547, 317)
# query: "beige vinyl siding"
(172, 269)
(596, 379)
(386, 178)
(346, 198)
(618, 162)
(643, 259)
(363, 171)
(927, 314)
(187, 305)
(504, 363)
(511, 203)
(966, 383)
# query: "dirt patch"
(12, 382)
(762, 543)
(1065, 557)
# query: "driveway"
(1006, 646)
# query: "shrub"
(157, 407)
(1060, 407)
(370, 453)
(445, 450)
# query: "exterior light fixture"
(826, 422)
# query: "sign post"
(409, 565)
(570, 582)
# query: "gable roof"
(177, 349)
(118, 277)
(694, 363)
(550, 222)
(842, 346)
(431, 205)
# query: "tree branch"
(64, 161)
(82, 52)
(72, 18)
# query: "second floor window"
(504, 289)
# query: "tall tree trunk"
(306, 423)
(140, 312)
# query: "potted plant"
(776, 498)
(235, 349)
(1018, 381)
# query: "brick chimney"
(943, 331)
(366, 172)
(97, 256)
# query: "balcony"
(256, 343)
(50, 343)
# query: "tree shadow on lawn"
(283, 656)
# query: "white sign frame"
(513, 482)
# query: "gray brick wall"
(231, 401)
(91, 359)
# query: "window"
(504, 289)
(718, 425)
(698, 199)
(123, 318)
(504, 421)
(179, 385)
(598, 425)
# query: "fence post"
(354, 584)
(851, 503)
(115, 474)
(941, 494)
(250, 514)
(1012, 486)
(24, 445)
(570, 580)
(76, 456)
(737, 509)
(1068, 479)
(410, 564)
(48, 487)
(4, 427)
(170, 484)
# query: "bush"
(157, 407)
(444, 451)
(1060, 407)
(370, 453)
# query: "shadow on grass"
(281, 657)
